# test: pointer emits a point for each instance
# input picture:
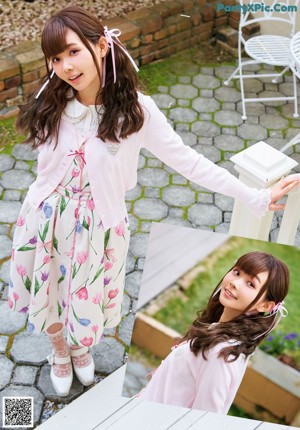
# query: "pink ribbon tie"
(109, 35)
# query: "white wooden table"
(102, 407)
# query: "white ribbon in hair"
(44, 85)
(112, 38)
(280, 312)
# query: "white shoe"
(61, 384)
(84, 374)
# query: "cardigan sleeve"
(163, 142)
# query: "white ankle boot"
(85, 374)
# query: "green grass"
(179, 313)
(156, 74)
(9, 137)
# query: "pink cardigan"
(184, 379)
(112, 175)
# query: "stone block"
(12, 82)
(8, 94)
(220, 21)
(161, 34)
(204, 215)
(108, 356)
(10, 103)
(186, 4)
(30, 87)
(8, 66)
(162, 10)
(25, 375)
(195, 17)
(176, 195)
(31, 60)
(251, 29)
(148, 38)
(175, 7)
(125, 328)
(24, 46)
(2, 85)
(201, 2)
(207, 13)
(10, 322)
(133, 281)
(146, 59)
(16, 179)
(150, 209)
(129, 31)
(5, 247)
(30, 76)
(184, 24)
(6, 370)
(234, 23)
(228, 35)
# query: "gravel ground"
(23, 20)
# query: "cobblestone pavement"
(208, 117)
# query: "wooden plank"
(272, 426)
(153, 336)
(171, 252)
(92, 407)
(276, 372)
(211, 421)
(144, 415)
(193, 416)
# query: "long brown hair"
(248, 328)
(123, 115)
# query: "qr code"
(17, 412)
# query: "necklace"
(112, 148)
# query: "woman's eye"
(74, 51)
(54, 60)
(251, 284)
(236, 272)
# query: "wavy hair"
(123, 115)
(248, 328)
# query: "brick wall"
(149, 34)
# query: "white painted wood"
(290, 219)
(171, 252)
(211, 421)
(192, 417)
(261, 166)
(271, 426)
(143, 415)
(92, 407)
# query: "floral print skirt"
(66, 267)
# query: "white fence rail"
(262, 166)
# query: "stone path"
(207, 115)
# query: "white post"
(259, 166)
(290, 219)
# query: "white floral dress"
(65, 266)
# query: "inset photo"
(217, 327)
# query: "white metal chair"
(269, 49)
(295, 67)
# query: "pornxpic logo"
(257, 7)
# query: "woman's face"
(75, 65)
(238, 290)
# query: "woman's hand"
(280, 189)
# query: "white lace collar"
(86, 118)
